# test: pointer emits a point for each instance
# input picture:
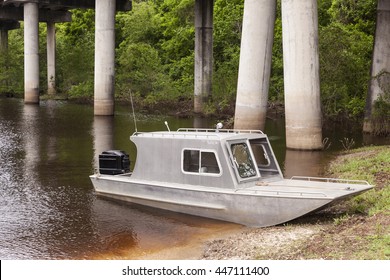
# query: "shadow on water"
(47, 204)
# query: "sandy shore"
(251, 244)
(239, 243)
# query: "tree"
(75, 54)
(227, 38)
(345, 55)
(346, 41)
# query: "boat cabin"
(214, 158)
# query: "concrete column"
(255, 64)
(380, 67)
(51, 58)
(203, 52)
(301, 74)
(104, 57)
(31, 56)
(3, 40)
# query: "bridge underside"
(54, 11)
(121, 5)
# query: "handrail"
(174, 134)
(282, 192)
(330, 180)
(220, 130)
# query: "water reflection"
(136, 231)
(29, 136)
(200, 122)
(303, 163)
(103, 136)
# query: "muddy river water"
(48, 209)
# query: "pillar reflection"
(302, 163)
(103, 135)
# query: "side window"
(191, 161)
(243, 160)
(209, 163)
(204, 162)
(261, 155)
(264, 157)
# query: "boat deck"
(309, 187)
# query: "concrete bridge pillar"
(104, 57)
(31, 55)
(51, 58)
(255, 64)
(3, 40)
(203, 52)
(301, 74)
(380, 67)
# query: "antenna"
(166, 124)
(132, 107)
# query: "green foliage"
(155, 54)
(227, 37)
(345, 55)
(360, 14)
(12, 64)
(346, 44)
(83, 90)
(276, 90)
(82, 24)
(141, 25)
(177, 44)
(75, 53)
(139, 68)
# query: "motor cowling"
(114, 162)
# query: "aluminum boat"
(229, 175)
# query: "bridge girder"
(9, 24)
(12, 13)
(121, 5)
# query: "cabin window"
(261, 155)
(243, 160)
(264, 157)
(197, 161)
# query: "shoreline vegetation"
(183, 108)
(358, 228)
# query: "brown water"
(47, 206)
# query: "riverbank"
(355, 229)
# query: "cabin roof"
(202, 134)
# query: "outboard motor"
(114, 162)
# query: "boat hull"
(257, 206)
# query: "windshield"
(243, 160)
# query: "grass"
(364, 228)
(373, 165)
(361, 225)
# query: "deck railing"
(220, 130)
(330, 180)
